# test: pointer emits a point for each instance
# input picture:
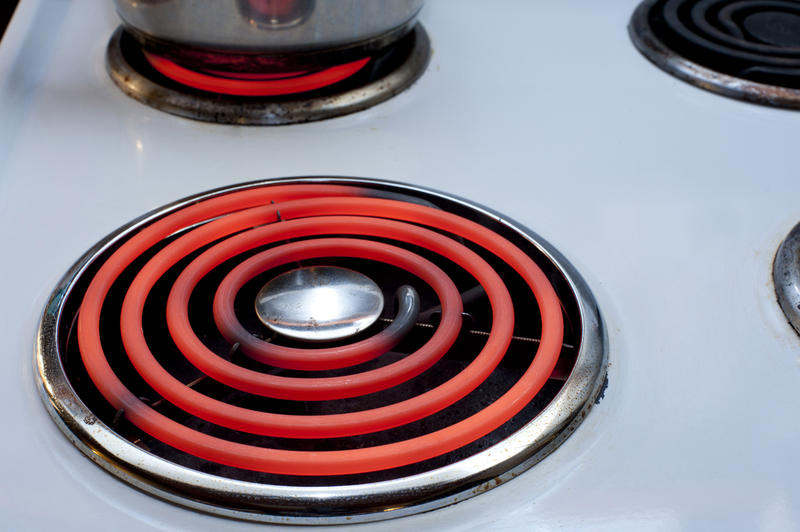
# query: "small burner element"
(319, 303)
(254, 95)
(745, 49)
(154, 359)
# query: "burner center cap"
(774, 27)
(319, 303)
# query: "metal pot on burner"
(245, 35)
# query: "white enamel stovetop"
(670, 200)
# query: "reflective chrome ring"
(342, 504)
(786, 276)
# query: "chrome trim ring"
(331, 504)
(786, 276)
(223, 109)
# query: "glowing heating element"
(258, 84)
(320, 221)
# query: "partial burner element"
(319, 303)
(249, 95)
(786, 276)
(746, 49)
(155, 362)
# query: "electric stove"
(668, 204)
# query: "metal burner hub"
(259, 102)
(778, 28)
(319, 303)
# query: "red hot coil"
(254, 84)
(313, 210)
